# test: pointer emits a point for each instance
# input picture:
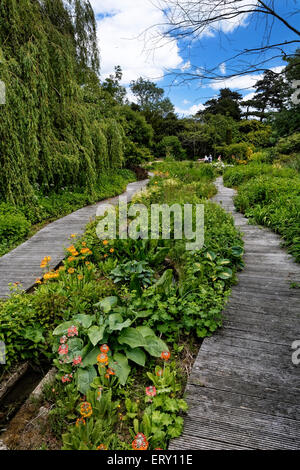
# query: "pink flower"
(72, 331)
(63, 339)
(151, 391)
(77, 360)
(63, 349)
(66, 378)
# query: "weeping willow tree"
(52, 134)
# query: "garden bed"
(128, 318)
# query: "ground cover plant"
(270, 196)
(119, 319)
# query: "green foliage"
(49, 130)
(235, 176)
(240, 151)
(170, 146)
(289, 144)
(270, 196)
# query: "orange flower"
(71, 258)
(105, 256)
(105, 242)
(102, 447)
(87, 263)
(80, 421)
(86, 409)
(80, 277)
(38, 281)
(104, 348)
(165, 355)
(102, 358)
(110, 371)
(111, 250)
(71, 270)
(140, 442)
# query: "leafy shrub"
(13, 227)
(234, 176)
(240, 151)
(290, 144)
(170, 146)
(269, 196)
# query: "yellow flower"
(105, 242)
(111, 250)
(87, 263)
(38, 281)
(71, 270)
(80, 277)
(73, 235)
(70, 259)
(86, 409)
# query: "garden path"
(23, 263)
(244, 390)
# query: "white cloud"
(186, 66)
(240, 82)
(249, 96)
(121, 28)
(223, 68)
(186, 102)
(190, 111)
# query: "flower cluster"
(151, 391)
(72, 331)
(165, 355)
(86, 409)
(67, 378)
(140, 442)
(45, 262)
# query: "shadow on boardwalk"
(23, 263)
(244, 390)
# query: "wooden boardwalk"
(23, 263)
(244, 390)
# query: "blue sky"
(128, 36)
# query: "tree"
(112, 86)
(192, 19)
(226, 104)
(270, 94)
(151, 99)
(170, 146)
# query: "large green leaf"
(226, 273)
(62, 329)
(84, 378)
(132, 337)
(164, 283)
(136, 355)
(155, 346)
(121, 367)
(96, 333)
(116, 322)
(84, 320)
(145, 331)
(108, 303)
(91, 357)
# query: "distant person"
(210, 158)
(206, 159)
(219, 158)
